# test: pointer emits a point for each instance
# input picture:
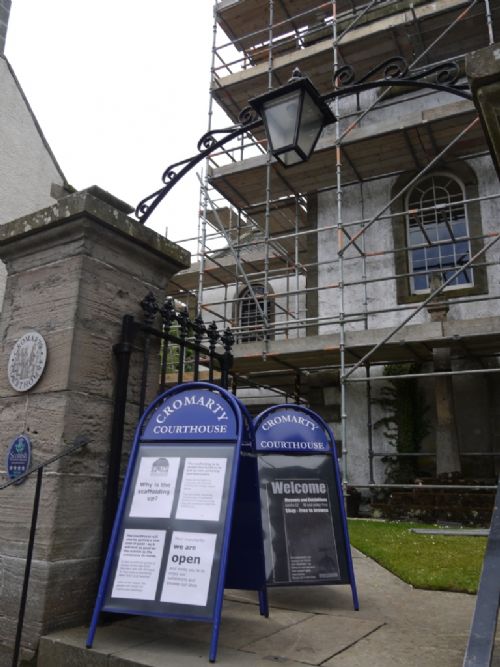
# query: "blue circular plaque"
(18, 456)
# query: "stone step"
(246, 639)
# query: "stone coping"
(103, 208)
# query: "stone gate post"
(74, 270)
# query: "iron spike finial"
(167, 312)
(149, 307)
(227, 339)
(184, 322)
(213, 336)
(199, 328)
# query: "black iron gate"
(186, 346)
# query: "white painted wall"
(27, 168)
(285, 306)
(363, 202)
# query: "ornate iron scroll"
(396, 72)
(208, 143)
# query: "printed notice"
(139, 564)
(189, 568)
(310, 541)
(301, 545)
(155, 486)
(201, 489)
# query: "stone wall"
(4, 21)
(74, 270)
(477, 422)
(30, 177)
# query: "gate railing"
(79, 442)
(176, 328)
(479, 651)
(173, 328)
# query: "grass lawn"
(433, 562)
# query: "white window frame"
(434, 221)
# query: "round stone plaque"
(27, 361)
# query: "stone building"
(76, 263)
(30, 177)
(326, 267)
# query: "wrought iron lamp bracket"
(208, 143)
(396, 72)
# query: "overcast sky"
(120, 89)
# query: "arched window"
(437, 232)
(251, 322)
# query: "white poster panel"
(201, 489)
(155, 487)
(139, 564)
(189, 567)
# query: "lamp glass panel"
(290, 157)
(311, 124)
(281, 117)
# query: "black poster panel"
(170, 543)
(303, 533)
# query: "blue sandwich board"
(305, 527)
(184, 486)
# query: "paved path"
(396, 626)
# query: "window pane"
(459, 228)
(416, 237)
(437, 221)
(420, 283)
(251, 309)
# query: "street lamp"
(294, 116)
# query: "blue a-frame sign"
(171, 540)
(306, 540)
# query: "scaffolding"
(265, 232)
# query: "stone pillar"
(483, 71)
(447, 448)
(74, 270)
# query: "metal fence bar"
(150, 308)
(122, 352)
(27, 569)
(79, 442)
(481, 642)
(454, 487)
(425, 454)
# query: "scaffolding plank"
(481, 335)
(246, 22)
(374, 150)
(234, 90)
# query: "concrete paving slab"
(315, 640)
(176, 652)
(396, 625)
(241, 624)
(398, 648)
